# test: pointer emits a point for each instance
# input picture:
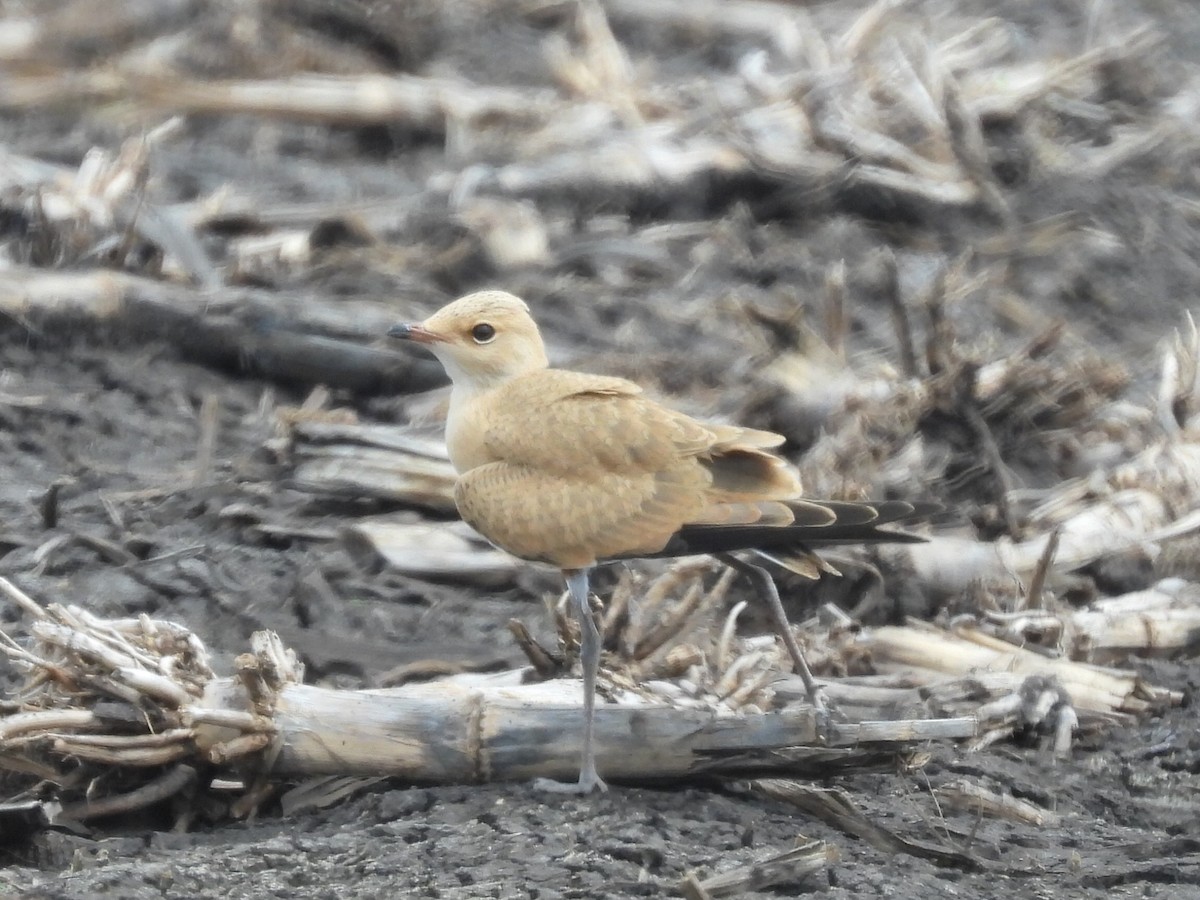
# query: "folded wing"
(586, 469)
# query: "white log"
(429, 550)
(445, 732)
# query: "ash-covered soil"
(140, 520)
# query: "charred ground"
(690, 280)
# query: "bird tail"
(816, 524)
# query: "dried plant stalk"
(966, 795)
(925, 649)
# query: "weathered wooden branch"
(139, 695)
(373, 461)
(427, 103)
(813, 110)
(244, 331)
(779, 868)
(1161, 621)
(835, 807)
(105, 198)
(1123, 505)
(925, 651)
(446, 732)
(963, 794)
(1124, 520)
(434, 551)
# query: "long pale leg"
(589, 657)
(764, 584)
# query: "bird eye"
(483, 333)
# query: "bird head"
(482, 339)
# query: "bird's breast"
(466, 429)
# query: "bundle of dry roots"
(119, 714)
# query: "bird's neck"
(466, 425)
(468, 404)
(480, 380)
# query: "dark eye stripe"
(483, 332)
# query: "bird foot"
(588, 782)
(823, 718)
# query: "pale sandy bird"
(575, 470)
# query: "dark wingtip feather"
(851, 523)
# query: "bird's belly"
(568, 522)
